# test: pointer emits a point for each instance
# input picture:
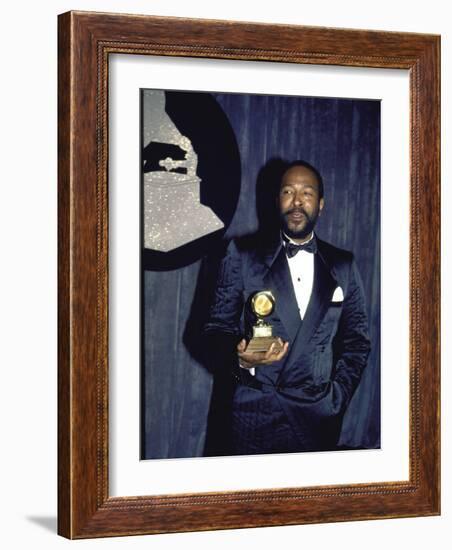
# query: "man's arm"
(226, 307)
(351, 343)
(222, 329)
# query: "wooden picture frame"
(85, 508)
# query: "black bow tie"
(292, 249)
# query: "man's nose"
(298, 199)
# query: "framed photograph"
(248, 275)
(249, 136)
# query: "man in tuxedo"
(292, 397)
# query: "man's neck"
(300, 241)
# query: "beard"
(299, 230)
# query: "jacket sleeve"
(227, 304)
(352, 343)
(222, 330)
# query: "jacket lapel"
(322, 292)
(279, 280)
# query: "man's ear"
(321, 204)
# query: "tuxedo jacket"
(297, 403)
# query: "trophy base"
(262, 343)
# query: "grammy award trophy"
(262, 304)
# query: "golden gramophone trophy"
(262, 304)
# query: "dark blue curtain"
(341, 138)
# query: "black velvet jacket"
(296, 404)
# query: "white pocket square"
(338, 295)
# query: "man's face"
(299, 202)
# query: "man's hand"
(248, 360)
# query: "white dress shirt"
(301, 268)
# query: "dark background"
(341, 138)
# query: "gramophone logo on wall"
(175, 213)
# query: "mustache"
(298, 211)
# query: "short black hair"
(314, 170)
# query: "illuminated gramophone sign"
(173, 213)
